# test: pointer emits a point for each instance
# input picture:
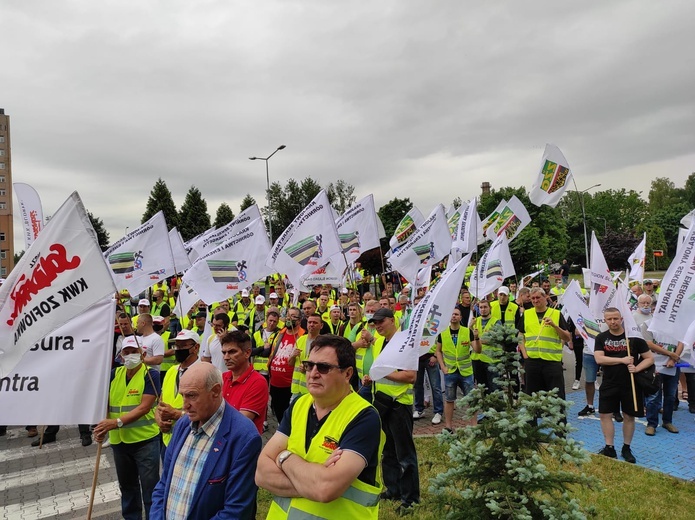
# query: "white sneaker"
(418, 415)
(576, 384)
(437, 418)
(106, 443)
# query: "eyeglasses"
(323, 368)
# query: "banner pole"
(632, 375)
(94, 482)
(43, 429)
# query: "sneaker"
(650, 430)
(106, 443)
(437, 418)
(618, 417)
(32, 432)
(608, 451)
(86, 439)
(626, 452)
(418, 415)
(586, 411)
(670, 427)
(576, 384)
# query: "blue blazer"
(227, 487)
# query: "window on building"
(2, 138)
(2, 165)
(2, 153)
(3, 271)
(2, 178)
(3, 193)
(3, 254)
(3, 205)
(2, 237)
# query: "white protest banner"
(453, 215)
(493, 267)
(637, 259)
(465, 239)
(682, 233)
(142, 257)
(687, 362)
(552, 180)
(512, 219)
(64, 377)
(687, 220)
(574, 306)
(492, 218)
(308, 243)
(178, 251)
(429, 318)
(427, 246)
(30, 210)
(187, 299)
(675, 308)
(406, 227)
(526, 280)
(602, 290)
(217, 237)
(194, 243)
(620, 302)
(331, 273)
(227, 269)
(60, 276)
(423, 279)
(358, 229)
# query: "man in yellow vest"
(133, 432)
(323, 462)
(483, 356)
(502, 309)
(393, 398)
(170, 408)
(313, 328)
(543, 330)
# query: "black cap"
(381, 314)
(201, 314)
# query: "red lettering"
(46, 271)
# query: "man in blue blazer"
(211, 460)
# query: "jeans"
(435, 383)
(455, 380)
(137, 468)
(668, 390)
(399, 462)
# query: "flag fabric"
(602, 289)
(465, 239)
(553, 178)
(675, 308)
(632, 330)
(358, 229)
(687, 220)
(178, 251)
(231, 266)
(187, 299)
(574, 306)
(427, 246)
(142, 257)
(491, 219)
(30, 210)
(194, 243)
(682, 233)
(218, 236)
(527, 279)
(46, 392)
(637, 259)
(308, 243)
(60, 276)
(511, 219)
(452, 217)
(493, 267)
(331, 273)
(429, 318)
(406, 227)
(423, 279)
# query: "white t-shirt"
(212, 348)
(153, 345)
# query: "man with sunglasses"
(323, 460)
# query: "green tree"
(667, 219)
(392, 213)
(689, 190)
(18, 256)
(161, 200)
(193, 217)
(617, 248)
(102, 234)
(286, 203)
(247, 202)
(341, 195)
(656, 241)
(663, 192)
(224, 215)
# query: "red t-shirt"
(280, 368)
(248, 393)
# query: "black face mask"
(182, 354)
(157, 327)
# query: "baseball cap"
(158, 319)
(336, 308)
(129, 341)
(244, 294)
(646, 281)
(144, 302)
(381, 314)
(273, 295)
(201, 314)
(503, 290)
(260, 299)
(187, 334)
(344, 290)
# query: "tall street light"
(580, 195)
(267, 179)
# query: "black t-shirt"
(565, 269)
(616, 347)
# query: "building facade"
(6, 223)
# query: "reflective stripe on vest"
(541, 341)
(457, 356)
(360, 500)
(298, 377)
(489, 354)
(510, 313)
(124, 398)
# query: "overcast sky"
(424, 100)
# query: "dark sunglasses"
(323, 368)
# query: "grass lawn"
(628, 491)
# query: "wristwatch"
(284, 455)
(119, 423)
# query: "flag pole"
(632, 375)
(94, 482)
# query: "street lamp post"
(267, 180)
(580, 195)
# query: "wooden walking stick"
(632, 375)
(94, 482)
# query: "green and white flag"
(406, 227)
(493, 267)
(553, 178)
(637, 259)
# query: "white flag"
(142, 257)
(358, 229)
(429, 318)
(602, 291)
(637, 260)
(493, 267)
(687, 220)
(427, 246)
(527, 279)
(682, 233)
(227, 269)
(331, 273)
(60, 276)
(467, 230)
(553, 178)
(186, 300)
(632, 330)
(574, 306)
(31, 211)
(491, 219)
(308, 243)
(453, 215)
(194, 243)
(214, 238)
(675, 308)
(178, 251)
(512, 219)
(42, 389)
(423, 279)
(406, 227)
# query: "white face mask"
(132, 361)
(369, 316)
(645, 310)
